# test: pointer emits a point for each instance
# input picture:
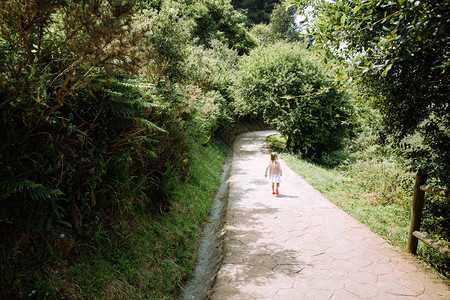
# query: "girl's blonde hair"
(273, 157)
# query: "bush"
(282, 85)
(90, 153)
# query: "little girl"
(275, 172)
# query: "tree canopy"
(50, 49)
(399, 51)
(258, 11)
(219, 20)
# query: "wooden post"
(416, 212)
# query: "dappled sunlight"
(299, 245)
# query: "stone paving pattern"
(298, 245)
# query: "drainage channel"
(210, 250)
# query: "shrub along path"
(298, 245)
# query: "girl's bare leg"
(278, 185)
(273, 187)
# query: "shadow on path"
(298, 245)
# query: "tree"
(164, 44)
(68, 103)
(49, 49)
(282, 23)
(218, 20)
(258, 11)
(400, 52)
(402, 47)
(282, 26)
(314, 120)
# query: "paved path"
(298, 245)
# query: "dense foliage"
(257, 11)
(50, 49)
(218, 20)
(400, 53)
(315, 119)
(283, 23)
(99, 117)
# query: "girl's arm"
(265, 175)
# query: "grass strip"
(146, 256)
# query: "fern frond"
(111, 92)
(123, 108)
(148, 124)
(148, 104)
(136, 84)
(10, 186)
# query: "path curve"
(298, 245)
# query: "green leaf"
(386, 70)
(357, 8)
(343, 18)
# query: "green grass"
(373, 188)
(277, 142)
(346, 190)
(145, 255)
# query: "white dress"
(274, 172)
(275, 179)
